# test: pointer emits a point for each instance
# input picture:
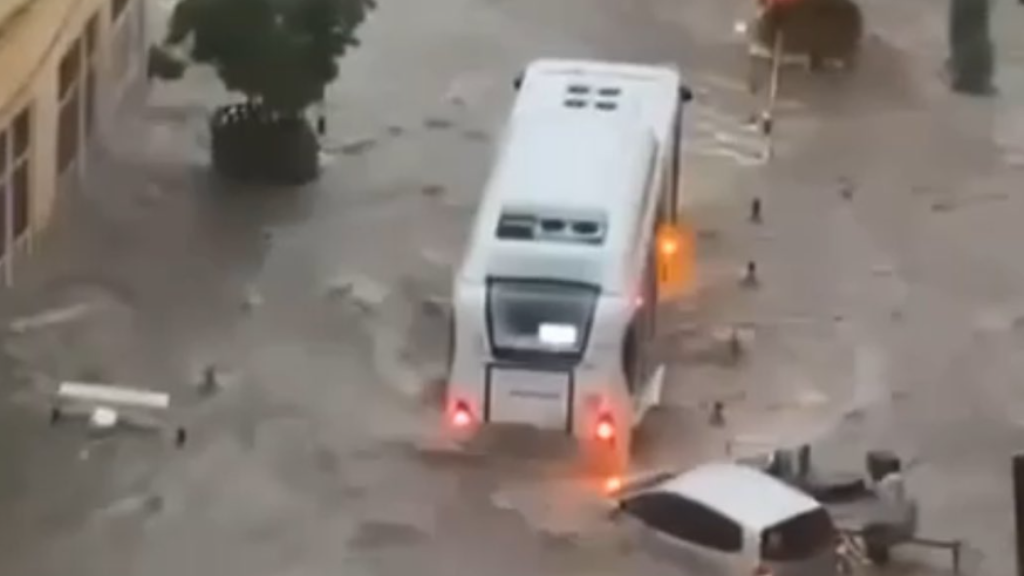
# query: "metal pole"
(8, 239)
(1018, 510)
(768, 122)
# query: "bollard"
(735, 345)
(755, 211)
(210, 381)
(846, 188)
(321, 118)
(750, 279)
(803, 462)
(1018, 509)
(765, 124)
(717, 418)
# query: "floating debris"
(433, 190)
(109, 394)
(846, 188)
(103, 418)
(107, 406)
(476, 135)
(365, 292)
(50, 318)
(357, 146)
(437, 123)
(252, 299)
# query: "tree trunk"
(972, 58)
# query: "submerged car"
(732, 520)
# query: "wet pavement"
(889, 315)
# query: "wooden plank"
(113, 395)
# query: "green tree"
(280, 54)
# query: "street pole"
(768, 121)
(1018, 510)
(971, 53)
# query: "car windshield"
(798, 538)
(546, 317)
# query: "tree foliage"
(279, 53)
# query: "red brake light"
(605, 430)
(612, 485)
(461, 417)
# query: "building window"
(15, 179)
(3, 155)
(124, 53)
(70, 69)
(117, 8)
(67, 132)
(91, 33)
(91, 57)
(70, 89)
(90, 99)
(3, 195)
(21, 198)
(22, 135)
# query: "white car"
(732, 520)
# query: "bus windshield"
(549, 318)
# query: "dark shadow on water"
(522, 443)
(237, 207)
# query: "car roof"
(748, 496)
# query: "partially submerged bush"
(820, 28)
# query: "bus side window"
(650, 297)
(631, 356)
(450, 352)
(675, 161)
(668, 191)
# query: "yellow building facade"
(65, 67)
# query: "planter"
(820, 30)
(253, 145)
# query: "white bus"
(553, 304)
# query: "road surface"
(889, 314)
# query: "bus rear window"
(534, 317)
(798, 538)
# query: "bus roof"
(647, 94)
(567, 169)
(578, 149)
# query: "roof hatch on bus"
(600, 96)
(551, 227)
